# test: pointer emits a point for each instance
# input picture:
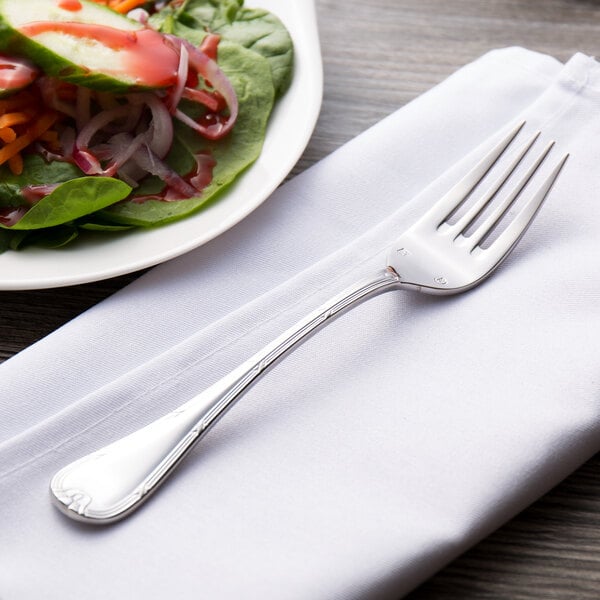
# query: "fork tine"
(459, 192)
(483, 230)
(506, 241)
(463, 223)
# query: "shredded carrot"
(124, 6)
(39, 125)
(8, 134)
(121, 6)
(13, 118)
(24, 120)
(15, 164)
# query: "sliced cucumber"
(92, 46)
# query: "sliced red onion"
(146, 159)
(84, 159)
(211, 72)
(129, 123)
(118, 150)
(99, 121)
(182, 73)
(48, 155)
(65, 151)
(11, 215)
(87, 162)
(205, 164)
(160, 133)
(177, 188)
(202, 97)
(34, 193)
(131, 173)
(126, 152)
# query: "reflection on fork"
(445, 252)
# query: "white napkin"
(388, 443)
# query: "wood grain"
(378, 56)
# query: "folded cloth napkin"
(387, 444)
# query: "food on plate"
(124, 113)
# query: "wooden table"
(379, 55)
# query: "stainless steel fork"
(437, 255)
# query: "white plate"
(291, 125)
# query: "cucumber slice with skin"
(87, 44)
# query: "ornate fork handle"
(109, 484)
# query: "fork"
(440, 254)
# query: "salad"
(127, 113)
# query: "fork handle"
(109, 484)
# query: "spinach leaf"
(10, 194)
(250, 75)
(36, 171)
(263, 32)
(49, 237)
(17, 239)
(4, 240)
(71, 200)
(97, 226)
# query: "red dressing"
(72, 5)
(145, 56)
(210, 45)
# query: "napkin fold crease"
(383, 447)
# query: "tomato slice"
(15, 73)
